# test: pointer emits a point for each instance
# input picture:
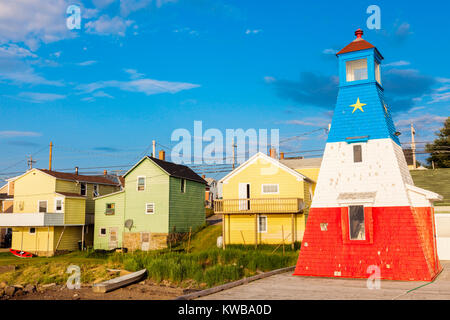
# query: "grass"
(204, 265)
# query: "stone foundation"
(145, 241)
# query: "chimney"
(105, 172)
(76, 170)
(162, 155)
(203, 176)
(281, 155)
(358, 34)
(273, 153)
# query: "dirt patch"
(145, 290)
(9, 268)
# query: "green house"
(159, 199)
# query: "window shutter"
(357, 153)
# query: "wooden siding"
(187, 210)
(40, 243)
(263, 172)
(109, 221)
(30, 188)
(69, 239)
(74, 211)
(156, 191)
(240, 229)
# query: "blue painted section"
(375, 122)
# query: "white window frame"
(46, 206)
(100, 232)
(85, 190)
(137, 183)
(152, 203)
(350, 77)
(259, 230)
(270, 184)
(349, 222)
(62, 205)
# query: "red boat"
(21, 254)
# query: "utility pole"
(413, 145)
(154, 149)
(30, 162)
(50, 156)
(233, 145)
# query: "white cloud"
(27, 75)
(329, 51)
(397, 64)
(130, 6)
(146, 86)
(187, 31)
(87, 63)
(102, 3)
(14, 134)
(254, 31)
(269, 79)
(311, 121)
(13, 50)
(134, 74)
(38, 97)
(33, 21)
(106, 25)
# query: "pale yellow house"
(53, 211)
(264, 202)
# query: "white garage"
(442, 221)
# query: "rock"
(18, 286)
(2, 293)
(29, 288)
(49, 285)
(19, 292)
(10, 290)
(76, 296)
(3, 285)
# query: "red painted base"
(399, 240)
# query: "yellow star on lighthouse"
(358, 105)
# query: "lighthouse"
(366, 213)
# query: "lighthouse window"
(357, 153)
(356, 70)
(356, 220)
(377, 72)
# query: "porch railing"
(263, 205)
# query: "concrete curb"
(233, 284)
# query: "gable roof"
(172, 169)
(79, 177)
(271, 160)
(356, 45)
(302, 163)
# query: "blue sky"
(137, 70)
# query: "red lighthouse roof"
(358, 44)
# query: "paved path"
(285, 286)
(214, 219)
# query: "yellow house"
(53, 211)
(264, 202)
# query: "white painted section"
(442, 221)
(383, 170)
(243, 204)
(31, 219)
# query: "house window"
(102, 232)
(140, 183)
(149, 208)
(356, 220)
(95, 191)
(32, 230)
(356, 70)
(58, 205)
(110, 208)
(83, 188)
(269, 188)
(377, 72)
(183, 185)
(262, 224)
(357, 153)
(42, 204)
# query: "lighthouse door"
(244, 196)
